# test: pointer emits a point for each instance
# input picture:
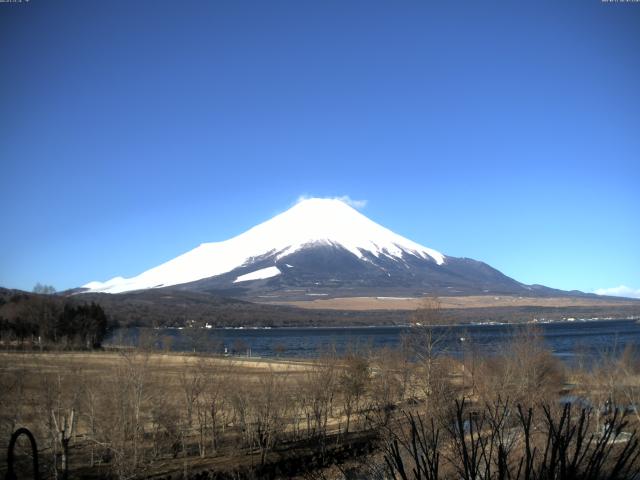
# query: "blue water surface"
(567, 340)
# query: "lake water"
(565, 339)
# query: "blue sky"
(508, 132)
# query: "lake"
(565, 339)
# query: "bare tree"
(13, 396)
(524, 371)
(353, 380)
(216, 385)
(317, 391)
(64, 424)
(268, 411)
(500, 441)
(90, 404)
(208, 393)
(191, 382)
(124, 412)
(44, 289)
(611, 380)
(137, 371)
(629, 367)
(165, 423)
(58, 399)
(430, 330)
(426, 342)
(391, 373)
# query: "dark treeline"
(48, 320)
(177, 308)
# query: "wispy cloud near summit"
(357, 204)
(621, 291)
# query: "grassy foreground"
(146, 414)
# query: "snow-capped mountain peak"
(318, 220)
(311, 222)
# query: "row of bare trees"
(127, 413)
(501, 440)
(509, 415)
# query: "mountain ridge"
(310, 223)
(322, 247)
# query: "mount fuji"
(321, 248)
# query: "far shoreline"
(398, 325)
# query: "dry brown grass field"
(155, 413)
(148, 414)
(475, 301)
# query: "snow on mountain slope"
(310, 222)
(261, 274)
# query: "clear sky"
(508, 132)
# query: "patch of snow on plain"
(258, 274)
(395, 298)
